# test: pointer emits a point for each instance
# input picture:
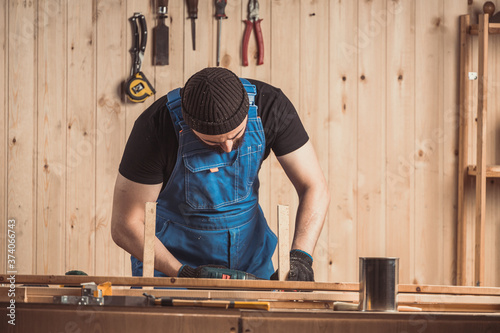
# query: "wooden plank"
(261, 73)
(493, 29)
(313, 104)
(4, 130)
(492, 219)
(285, 74)
(19, 297)
(62, 317)
(450, 138)
(320, 290)
(492, 257)
(52, 105)
(492, 212)
(456, 290)
(170, 77)
(42, 294)
(81, 138)
(356, 322)
(230, 48)
(481, 150)
(482, 308)
(371, 195)
(182, 282)
(429, 179)
(447, 299)
(400, 179)
(130, 111)
(206, 37)
(492, 171)
(291, 296)
(295, 300)
(342, 173)
(111, 51)
(473, 9)
(149, 239)
(464, 110)
(133, 110)
(283, 242)
(22, 130)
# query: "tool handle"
(246, 38)
(220, 7)
(135, 34)
(257, 305)
(162, 7)
(260, 42)
(192, 8)
(144, 33)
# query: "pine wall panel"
(375, 83)
(4, 131)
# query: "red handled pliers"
(253, 21)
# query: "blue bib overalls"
(208, 213)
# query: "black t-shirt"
(151, 151)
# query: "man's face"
(224, 143)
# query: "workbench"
(304, 307)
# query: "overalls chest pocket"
(214, 180)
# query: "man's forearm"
(313, 205)
(132, 240)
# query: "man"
(197, 152)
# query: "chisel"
(220, 7)
(192, 6)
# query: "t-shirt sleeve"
(290, 134)
(145, 155)
(283, 128)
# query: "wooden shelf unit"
(480, 170)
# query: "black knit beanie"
(214, 101)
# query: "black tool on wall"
(220, 13)
(192, 6)
(161, 35)
(137, 86)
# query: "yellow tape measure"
(138, 88)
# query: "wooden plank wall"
(375, 83)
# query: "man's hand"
(300, 267)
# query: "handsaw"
(161, 35)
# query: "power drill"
(208, 272)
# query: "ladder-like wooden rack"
(480, 170)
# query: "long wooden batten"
(238, 284)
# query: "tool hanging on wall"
(192, 6)
(137, 86)
(253, 21)
(220, 7)
(161, 35)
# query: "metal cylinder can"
(378, 283)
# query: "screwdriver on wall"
(193, 15)
(220, 6)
